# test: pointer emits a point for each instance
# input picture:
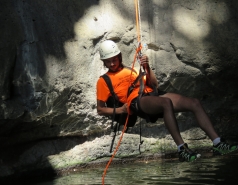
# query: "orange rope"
(115, 151)
(137, 20)
(133, 64)
(123, 131)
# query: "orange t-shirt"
(121, 81)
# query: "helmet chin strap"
(118, 69)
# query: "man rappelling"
(151, 103)
(138, 94)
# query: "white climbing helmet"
(108, 49)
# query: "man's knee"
(195, 103)
(167, 103)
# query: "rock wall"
(50, 62)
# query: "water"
(206, 170)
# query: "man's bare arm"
(108, 111)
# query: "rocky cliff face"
(50, 62)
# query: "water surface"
(206, 170)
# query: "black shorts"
(135, 107)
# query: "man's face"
(113, 64)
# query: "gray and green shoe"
(223, 148)
(186, 154)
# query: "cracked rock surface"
(50, 66)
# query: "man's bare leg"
(156, 105)
(183, 104)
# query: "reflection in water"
(207, 170)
